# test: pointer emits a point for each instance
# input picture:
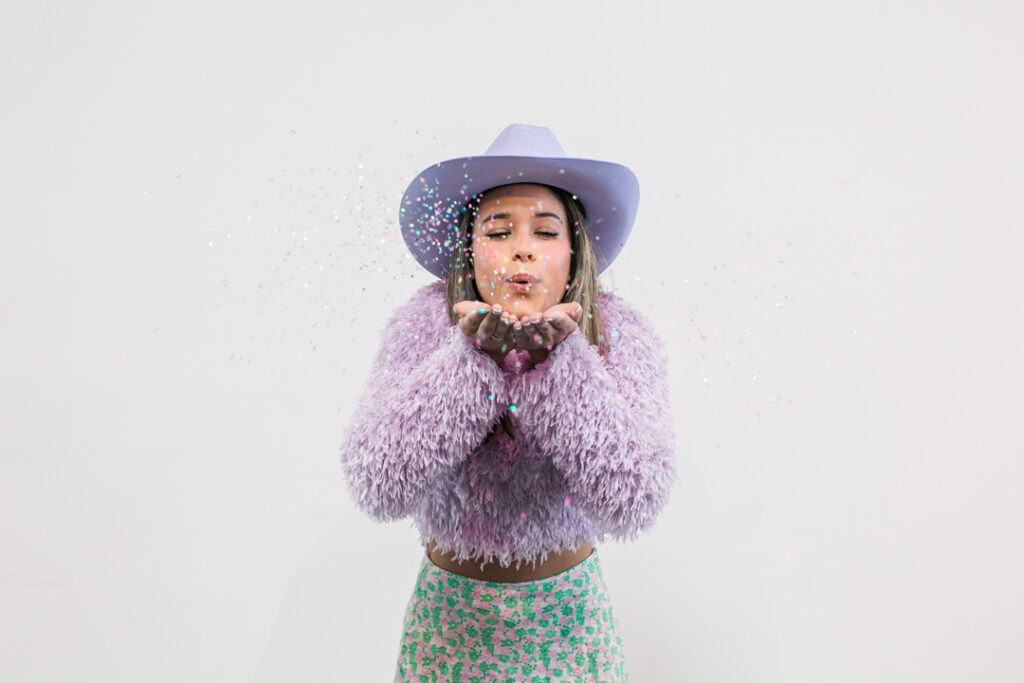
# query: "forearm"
(606, 429)
(417, 418)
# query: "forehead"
(520, 196)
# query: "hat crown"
(520, 140)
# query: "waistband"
(591, 565)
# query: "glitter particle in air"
(512, 408)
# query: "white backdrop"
(199, 251)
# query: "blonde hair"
(583, 287)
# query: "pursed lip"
(522, 278)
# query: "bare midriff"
(554, 563)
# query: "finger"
(473, 314)
(504, 325)
(508, 340)
(470, 324)
(562, 324)
(521, 335)
(488, 324)
(536, 332)
(544, 334)
(468, 328)
(466, 308)
(529, 342)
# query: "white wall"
(199, 249)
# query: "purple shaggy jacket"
(592, 455)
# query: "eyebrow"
(548, 214)
(501, 216)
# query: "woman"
(517, 412)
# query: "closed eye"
(503, 234)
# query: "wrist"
(538, 356)
(497, 356)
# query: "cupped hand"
(486, 326)
(540, 333)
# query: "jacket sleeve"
(432, 396)
(605, 423)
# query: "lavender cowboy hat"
(431, 206)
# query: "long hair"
(583, 285)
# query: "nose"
(523, 250)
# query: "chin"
(525, 306)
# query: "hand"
(486, 326)
(540, 333)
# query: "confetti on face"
(526, 234)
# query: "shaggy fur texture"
(592, 456)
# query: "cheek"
(486, 260)
(560, 258)
(484, 256)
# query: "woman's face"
(521, 233)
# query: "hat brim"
(433, 202)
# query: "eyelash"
(503, 234)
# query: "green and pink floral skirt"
(462, 630)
